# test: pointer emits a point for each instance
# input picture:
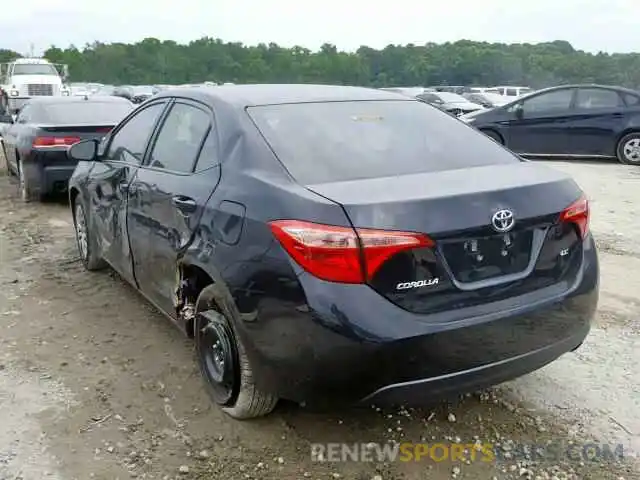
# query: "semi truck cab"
(25, 78)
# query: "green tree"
(463, 62)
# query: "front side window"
(551, 102)
(180, 138)
(129, 143)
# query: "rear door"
(543, 127)
(124, 151)
(171, 190)
(599, 114)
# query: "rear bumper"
(348, 344)
(49, 170)
(417, 392)
(56, 178)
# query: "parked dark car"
(457, 89)
(450, 102)
(487, 100)
(328, 243)
(591, 121)
(36, 144)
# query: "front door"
(541, 129)
(110, 182)
(172, 189)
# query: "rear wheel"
(26, 185)
(224, 364)
(495, 136)
(85, 240)
(628, 149)
(4, 103)
(3, 152)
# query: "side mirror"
(6, 118)
(518, 111)
(84, 151)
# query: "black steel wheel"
(224, 364)
(217, 356)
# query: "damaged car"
(331, 244)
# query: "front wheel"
(85, 240)
(224, 364)
(628, 149)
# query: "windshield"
(340, 141)
(34, 69)
(451, 97)
(86, 113)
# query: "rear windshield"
(78, 113)
(341, 141)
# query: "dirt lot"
(95, 384)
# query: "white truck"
(25, 78)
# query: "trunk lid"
(472, 261)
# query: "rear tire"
(229, 383)
(4, 103)
(85, 240)
(493, 135)
(3, 152)
(628, 149)
(29, 192)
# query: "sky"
(591, 25)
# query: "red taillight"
(54, 141)
(342, 254)
(578, 214)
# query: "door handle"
(185, 204)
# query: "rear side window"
(180, 138)
(592, 98)
(341, 141)
(209, 154)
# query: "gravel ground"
(96, 384)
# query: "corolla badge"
(503, 221)
(418, 284)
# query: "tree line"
(465, 62)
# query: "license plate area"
(481, 258)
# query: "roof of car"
(275, 94)
(77, 99)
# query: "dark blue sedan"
(588, 121)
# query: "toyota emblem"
(503, 221)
